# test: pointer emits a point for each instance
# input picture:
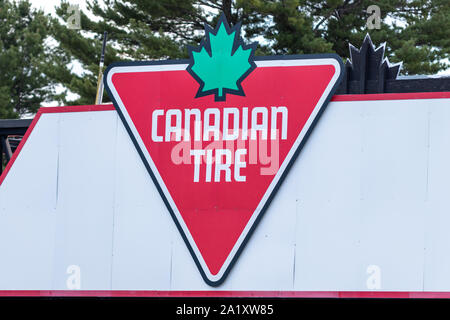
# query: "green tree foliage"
(137, 30)
(24, 84)
(417, 32)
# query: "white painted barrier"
(366, 207)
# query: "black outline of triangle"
(283, 175)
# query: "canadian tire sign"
(219, 132)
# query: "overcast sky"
(49, 5)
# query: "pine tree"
(416, 31)
(24, 84)
(137, 30)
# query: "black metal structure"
(11, 132)
(367, 71)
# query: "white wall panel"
(394, 167)
(143, 228)
(437, 201)
(85, 197)
(27, 212)
(327, 179)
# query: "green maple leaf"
(221, 62)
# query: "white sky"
(48, 6)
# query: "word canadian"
(215, 124)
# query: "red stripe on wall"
(225, 294)
(391, 96)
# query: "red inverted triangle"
(216, 218)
